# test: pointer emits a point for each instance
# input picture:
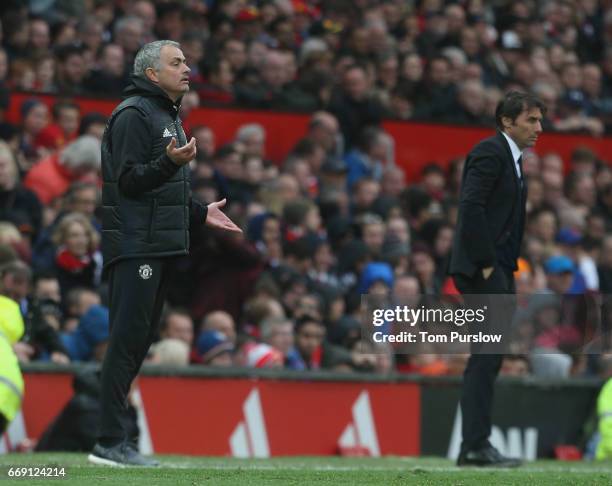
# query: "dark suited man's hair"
(514, 103)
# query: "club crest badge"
(145, 272)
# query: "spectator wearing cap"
(214, 349)
(51, 177)
(90, 339)
(18, 204)
(570, 243)
(260, 355)
(559, 274)
(376, 278)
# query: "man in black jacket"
(486, 246)
(147, 210)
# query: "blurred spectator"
(261, 355)
(214, 349)
(354, 106)
(278, 333)
(220, 86)
(88, 342)
(515, 365)
(77, 302)
(34, 118)
(169, 352)
(93, 123)
(128, 34)
(79, 160)
(177, 325)
(220, 321)
(71, 70)
(109, 77)
(78, 262)
(315, 351)
(368, 157)
(66, 121)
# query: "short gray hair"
(84, 153)
(149, 56)
(251, 129)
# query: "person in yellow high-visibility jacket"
(11, 381)
(604, 413)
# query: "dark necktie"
(519, 162)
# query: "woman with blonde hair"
(78, 261)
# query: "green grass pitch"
(194, 471)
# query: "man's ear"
(506, 121)
(151, 75)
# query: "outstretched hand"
(217, 219)
(181, 155)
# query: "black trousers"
(497, 293)
(137, 290)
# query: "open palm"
(217, 219)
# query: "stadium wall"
(265, 413)
(416, 144)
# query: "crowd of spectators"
(446, 61)
(336, 218)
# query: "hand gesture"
(217, 219)
(182, 155)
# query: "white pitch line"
(306, 467)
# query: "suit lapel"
(510, 159)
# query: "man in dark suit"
(486, 246)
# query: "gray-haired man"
(147, 210)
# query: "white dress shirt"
(516, 154)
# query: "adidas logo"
(250, 438)
(361, 431)
(167, 133)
